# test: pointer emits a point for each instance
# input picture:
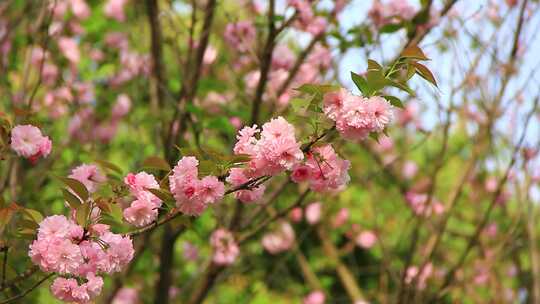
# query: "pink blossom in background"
(385, 144)
(28, 142)
(190, 251)
(421, 275)
(283, 57)
(80, 9)
(115, 9)
(89, 175)
(296, 214)
(280, 240)
(70, 49)
(491, 184)
(320, 56)
(121, 107)
(126, 295)
(390, 12)
(409, 169)
(313, 213)
(340, 218)
(225, 248)
(240, 35)
(236, 122)
(314, 297)
(366, 239)
(210, 55)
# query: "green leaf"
(73, 201)
(104, 205)
(317, 88)
(207, 167)
(6, 214)
(375, 81)
(155, 162)
(425, 73)
(300, 104)
(360, 83)
(374, 136)
(391, 28)
(221, 123)
(164, 195)
(374, 65)
(32, 215)
(109, 165)
(396, 102)
(413, 51)
(402, 87)
(76, 186)
(82, 214)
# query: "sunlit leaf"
(424, 72)
(155, 162)
(413, 51)
(73, 201)
(162, 194)
(360, 83)
(109, 165)
(396, 102)
(76, 186)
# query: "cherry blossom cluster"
(420, 205)
(86, 126)
(280, 240)
(193, 195)
(144, 209)
(275, 151)
(307, 20)
(78, 256)
(356, 116)
(240, 36)
(393, 11)
(28, 141)
(323, 169)
(225, 248)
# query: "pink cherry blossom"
(340, 218)
(70, 49)
(366, 239)
(193, 195)
(126, 295)
(115, 9)
(225, 248)
(296, 214)
(274, 152)
(80, 9)
(28, 142)
(314, 213)
(326, 171)
(314, 297)
(141, 213)
(236, 178)
(121, 107)
(240, 35)
(89, 175)
(280, 240)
